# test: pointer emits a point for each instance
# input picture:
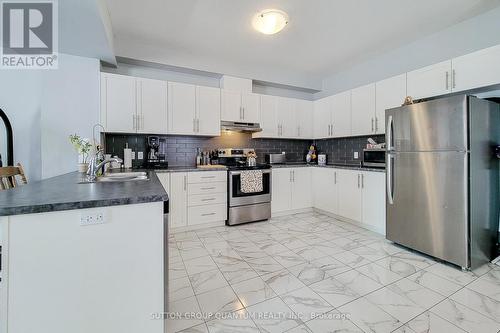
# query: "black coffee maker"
(155, 159)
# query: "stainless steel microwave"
(374, 157)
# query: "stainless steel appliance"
(245, 207)
(443, 178)
(240, 127)
(276, 158)
(374, 157)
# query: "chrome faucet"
(95, 165)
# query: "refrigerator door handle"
(390, 143)
(390, 186)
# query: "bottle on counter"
(199, 158)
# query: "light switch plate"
(356, 155)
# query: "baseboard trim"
(380, 231)
(197, 227)
(291, 212)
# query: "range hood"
(240, 127)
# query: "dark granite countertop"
(189, 169)
(332, 165)
(65, 193)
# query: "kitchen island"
(83, 257)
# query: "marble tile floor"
(311, 273)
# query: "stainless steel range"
(244, 207)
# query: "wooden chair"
(8, 176)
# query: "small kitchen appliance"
(276, 158)
(374, 157)
(155, 158)
(322, 159)
(244, 207)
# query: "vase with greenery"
(83, 148)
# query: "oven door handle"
(234, 173)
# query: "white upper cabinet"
(430, 81)
(268, 118)
(240, 106)
(322, 118)
(118, 103)
(363, 110)
(304, 119)
(250, 104)
(287, 124)
(390, 93)
(208, 111)
(341, 114)
(478, 69)
(152, 104)
(231, 106)
(182, 108)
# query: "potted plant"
(82, 147)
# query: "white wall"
(45, 107)
(468, 36)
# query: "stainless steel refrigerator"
(443, 178)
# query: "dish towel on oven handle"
(251, 181)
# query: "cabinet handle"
(207, 188)
(447, 79)
(185, 183)
(243, 112)
(358, 181)
(290, 176)
(298, 131)
(142, 122)
(208, 214)
(362, 181)
(211, 199)
(198, 125)
(373, 125)
(335, 177)
(454, 77)
(332, 130)
(134, 122)
(207, 177)
(376, 124)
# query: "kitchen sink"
(119, 177)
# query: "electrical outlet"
(356, 155)
(133, 155)
(92, 218)
(140, 155)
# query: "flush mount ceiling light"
(270, 21)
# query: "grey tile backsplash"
(181, 150)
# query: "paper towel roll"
(127, 158)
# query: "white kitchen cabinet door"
(323, 188)
(322, 118)
(118, 103)
(182, 108)
(390, 93)
(286, 117)
(178, 200)
(208, 111)
(250, 104)
(304, 119)
(301, 188)
(281, 190)
(478, 69)
(350, 194)
(430, 81)
(363, 110)
(231, 109)
(341, 114)
(268, 118)
(373, 186)
(152, 112)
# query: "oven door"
(238, 198)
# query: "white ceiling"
(322, 38)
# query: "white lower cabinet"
(196, 198)
(355, 195)
(373, 199)
(178, 200)
(291, 189)
(350, 196)
(325, 189)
